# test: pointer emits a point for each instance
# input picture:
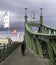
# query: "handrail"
(38, 24)
(36, 33)
(7, 50)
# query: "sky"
(16, 9)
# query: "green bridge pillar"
(26, 15)
(41, 17)
(39, 49)
(51, 53)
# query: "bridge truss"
(42, 41)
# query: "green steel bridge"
(42, 42)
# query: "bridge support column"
(25, 37)
(29, 40)
(51, 53)
(47, 30)
(32, 44)
(39, 49)
(52, 32)
(55, 32)
(42, 29)
(35, 46)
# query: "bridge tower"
(41, 16)
(41, 20)
(33, 16)
(26, 15)
(25, 22)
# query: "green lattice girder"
(35, 44)
(53, 44)
(51, 54)
(39, 34)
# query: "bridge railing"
(43, 28)
(6, 50)
(47, 30)
(42, 44)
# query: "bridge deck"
(16, 58)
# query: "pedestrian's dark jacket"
(23, 45)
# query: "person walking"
(23, 47)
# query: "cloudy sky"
(16, 9)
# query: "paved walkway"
(16, 58)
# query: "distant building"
(20, 38)
(5, 41)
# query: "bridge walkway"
(30, 58)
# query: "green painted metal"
(39, 49)
(52, 32)
(51, 54)
(31, 43)
(25, 15)
(44, 34)
(41, 16)
(53, 44)
(47, 30)
(34, 47)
